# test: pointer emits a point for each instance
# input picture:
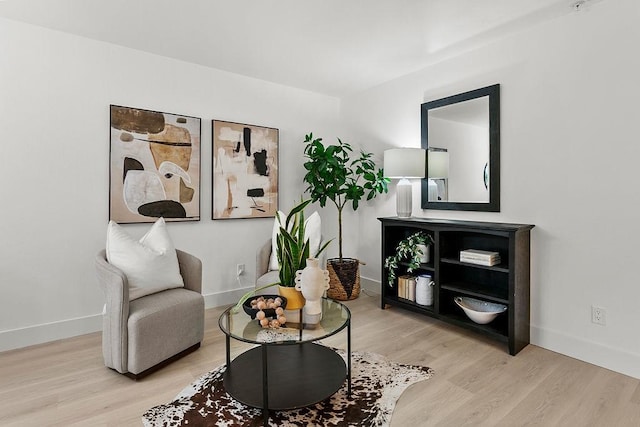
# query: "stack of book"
(407, 287)
(476, 256)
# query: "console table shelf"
(506, 283)
(500, 267)
(473, 291)
(425, 266)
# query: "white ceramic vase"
(424, 290)
(312, 281)
(424, 258)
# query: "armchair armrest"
(191, 271)
(115, 288)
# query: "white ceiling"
(334, 47)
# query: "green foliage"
(332, 174)
(292, 249)
(408, 250)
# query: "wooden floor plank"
(65, 383)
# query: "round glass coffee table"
(287, 369)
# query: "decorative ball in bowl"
(266, 303)
(481, 312)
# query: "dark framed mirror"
(461, 134)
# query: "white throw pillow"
(150, 264)
(273, 259)
(312, 231)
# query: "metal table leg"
(265, 387)
(349, 358)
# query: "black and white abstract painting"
(245, 170)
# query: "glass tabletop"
(240, 326)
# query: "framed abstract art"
(154, 166)
(245, 170)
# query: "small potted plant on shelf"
(332, 174)
(412, 249)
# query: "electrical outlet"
(598, 315)
(239, 270)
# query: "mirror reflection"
(461, 134)
(459, 151)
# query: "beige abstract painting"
(154, 166)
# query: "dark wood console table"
(506, 283)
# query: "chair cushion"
(162, 325)
(312, 231)
(150, 264)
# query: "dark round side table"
(294, 370)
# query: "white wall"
(55, 91)
(569, 165)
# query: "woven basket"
(344, 278)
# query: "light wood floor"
(476, 382)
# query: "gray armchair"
(264, 276)
(143, 335)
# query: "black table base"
(297, 375)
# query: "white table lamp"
(438, 163)
(405, 164)
(438, 174)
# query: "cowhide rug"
(376, 385)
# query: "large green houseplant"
(334, 174)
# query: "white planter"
(425, 253)
(424, 290)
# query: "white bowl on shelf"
(481, 312)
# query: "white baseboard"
(612, 358)
(219, 299)
(370, 285)
(47, 332)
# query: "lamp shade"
(404, 163)
(438, 164)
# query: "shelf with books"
(502, 267)
(505, 283)
(480, 257)
(406, 287)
